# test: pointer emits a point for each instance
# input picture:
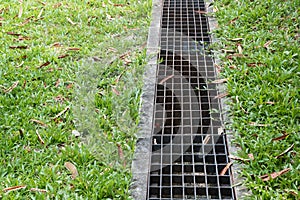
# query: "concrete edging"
(141, 162)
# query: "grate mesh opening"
(188, 146)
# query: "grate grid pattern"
(188, 145)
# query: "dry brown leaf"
(72, 169)
(292, 192)
(120, 5)
(274, 175)
(285, 151)
(121, 154)
(70, 21)
(233, 20)
(206, 139)
(165, 79)
(223, 172)
(237, 55)
(21, 38)
(250, 155)
(20, 11)
(14, 85)
(19, 47)
(224, 80)
(221, 95)
(266, 45)
(238, 158)
(57, 5)
(39, 122)
(259, 125)
(240, 49)
(270, 102)
(26, 21)
(200, 11)
(255, 64)
(39, 137)
(69, 86)
(116, 91)
(20, 65)
(236, 39)
(73, 49)
(43, 65)
(56, 44)
(40, 14)
(280, 137)
(38, 190)
(61, 113)
(12, 33)
(57, 82)
(14, 188)
(63, 56)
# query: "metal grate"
(188, 145)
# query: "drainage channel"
(187, 145)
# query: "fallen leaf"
(57, 82)
(57, 5)
(221, 95)
(56, 44)
(20, 65)
(20, 11)
(255, 64)
(116, 91)
(19, 47)
(266, 45)
(285, 151)
(38, 190)
(233, 20)
(61, 113)
(14, 188)
(70, 21)
(292, 192)
(206, 139)
(200, 11)
(39, 122)
(236, 39)
(165, 79)
(26, 21)
(223, 172)
(40, 14)
(274, 175)
(270, 102)
(120, 5)
(259, 125)
(63, 56)
(280, 137)
(240, 50)
(75, 133)
(250, 155)
(73, 49)
(121, 154)
(43, 65)
(72, 169)
(12, 33)
(69, 86)
(39, 137)
(224, 80)
(14, 85)
(238, 158)
(237, 55)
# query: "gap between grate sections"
(189, 148)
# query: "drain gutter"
(181, 149)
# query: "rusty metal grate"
(188, 144)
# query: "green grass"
(263, 85)
(59, 39)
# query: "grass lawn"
(260, 45)
(69, 67)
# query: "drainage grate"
(188, 145)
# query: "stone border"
(239, 190)
(141, 161)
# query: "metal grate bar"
(188, 145)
